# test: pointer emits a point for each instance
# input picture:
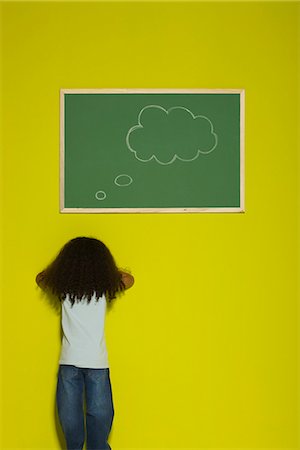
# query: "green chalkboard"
(152, 151)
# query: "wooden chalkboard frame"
(240, 209)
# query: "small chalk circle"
(123, 180)
(100, 195)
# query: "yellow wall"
(203, 349)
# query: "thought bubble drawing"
(166, 135)
(100, 195)
(123, 180)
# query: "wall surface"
(203, 349)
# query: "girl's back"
(83, 324)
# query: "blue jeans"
(71, 384)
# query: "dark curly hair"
(84, 267)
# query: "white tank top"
(83, 342)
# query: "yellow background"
(203, 349)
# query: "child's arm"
(39, 279)
(127, 279)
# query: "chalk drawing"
(123, 180)
(100, 195)
(210, 134)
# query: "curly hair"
(83, 268)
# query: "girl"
(83, 277)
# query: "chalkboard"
(149, 150)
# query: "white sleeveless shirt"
(83, 342)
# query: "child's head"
(83, 267)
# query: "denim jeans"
(72, 383)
